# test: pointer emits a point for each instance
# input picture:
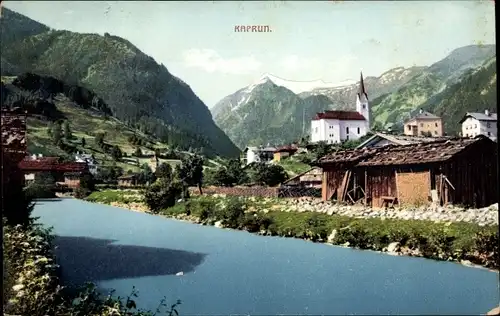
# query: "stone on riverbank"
(483, 216)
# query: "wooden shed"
(457, 171)
(128, 180)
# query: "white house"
(258, 154)
(474, 124)
(338, 126)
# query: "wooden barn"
(454, 171)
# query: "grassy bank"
(441, 241)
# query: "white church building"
(338, 126)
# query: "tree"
(270, 175)
(321, 149)
(87, 182)
(67, 131)
(236, 172)
(99, 139)
(56, 133)
(190, 172)
(116, 153)
(146, 174)
(138, 152)
(164, 171)
(83, 142)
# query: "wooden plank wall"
(381, 182)
(474, 175)
(332, 179)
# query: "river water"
(233, 272)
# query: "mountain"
(392, 109)
(269, 111)
(475, 91)
(266, 113)
(342, 96)
(253, 116)
(140, 92)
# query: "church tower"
(362, 105)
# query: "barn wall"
(332, 179)
(473, 174)
(380, 182)
(413, 188)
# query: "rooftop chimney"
(487, 113)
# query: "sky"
(309, 40)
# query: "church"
(339, 126)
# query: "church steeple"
(362, 90)
(362, 103)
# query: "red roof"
(340, 115)
(52, 165)
(286, 148)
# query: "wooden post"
(366, 187)
(397, 187)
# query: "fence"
(260, 191)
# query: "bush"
(81, 193)
(233, 212)
(39, 191)
(162, 195)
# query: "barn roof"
(440, 150)
(400, 139)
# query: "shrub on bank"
(39, 191)
(455, 241)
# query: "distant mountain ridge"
(139, 91)
(253, 116)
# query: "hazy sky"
(328, 40)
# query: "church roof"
(339, 115)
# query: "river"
(234, 272)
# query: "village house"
(258, 154)
(89, 160)
(128, 180)
(284, 152)
(474, 124)
(424, 124)
(338, 126)
(453, 171)
(311, 178)
(382, 139)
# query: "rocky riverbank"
(348, 226)
(482, 216)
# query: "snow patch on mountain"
(303, 86)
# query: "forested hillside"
(139, 91)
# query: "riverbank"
(467, 243)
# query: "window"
(364, 106)
(347, 130)
(347, 137)
(359, 130)
(435, 132)
(436, 124)
(409, 127)
(421, 124)
(475, 125)
(489, 134)
(488, 125)
(316, 130)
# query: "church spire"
(362, 90)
